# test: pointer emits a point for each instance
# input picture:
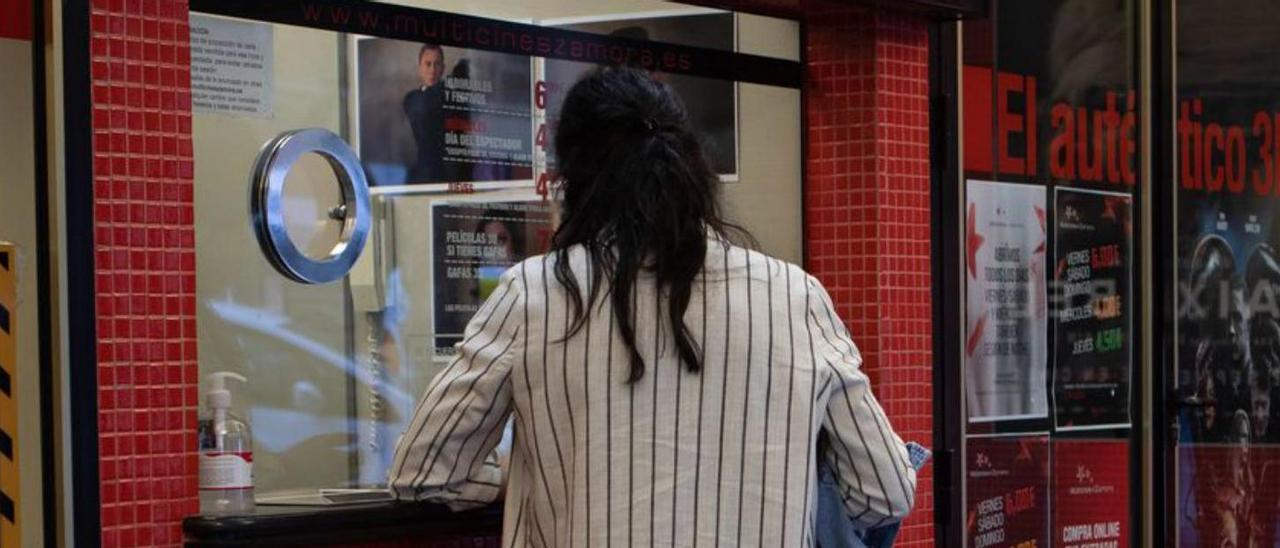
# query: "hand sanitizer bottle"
(226, 453)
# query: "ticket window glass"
(1226, 376)
(1050, 147)
(21, 485)
(448, 140)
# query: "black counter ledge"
(350, 524)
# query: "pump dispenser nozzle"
(218, 396)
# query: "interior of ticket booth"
(299, 343)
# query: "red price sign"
(541, 140)
(540, 95)
(545, 180)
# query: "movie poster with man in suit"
(426, 113)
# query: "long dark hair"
(638, 195)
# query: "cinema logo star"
(1071, 214)
(982, 460)
(1084, 475)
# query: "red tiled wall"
(15, 19)
(867, 209)
(145, 269)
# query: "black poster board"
(1093, 285)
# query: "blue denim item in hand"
(917, 454)
(835, 529)
(881, 537)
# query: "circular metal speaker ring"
(267, 200)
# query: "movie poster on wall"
(711, 103)
(1092, 274)
(1230, 494)
(1006, 494)
(1006, 347)
(1228, 313)
(431, 114)
(473, 243)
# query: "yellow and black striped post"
(9, 533)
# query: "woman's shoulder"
(722, 255)
(528, 269)
(533, 269)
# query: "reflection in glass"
(1226, 144)
(1049, 108)
(311, 194)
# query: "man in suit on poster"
(424, 108)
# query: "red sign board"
(1008, 483)
(15, 19)
(1090, 494)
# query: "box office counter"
(353, 524)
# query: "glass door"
(1226, 231)
(1050, 259)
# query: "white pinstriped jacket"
(723, 457)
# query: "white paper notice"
(231, 67)
(1006, 350)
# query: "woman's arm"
(446, 454)
(873, 473)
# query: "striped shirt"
(723, 457)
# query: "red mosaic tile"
(867, 208)
(147, 356)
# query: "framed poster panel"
(1007, 491)
(1090, 486)
(423, 114)
(474, 242)
(1093, 233)
(1006, 332)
